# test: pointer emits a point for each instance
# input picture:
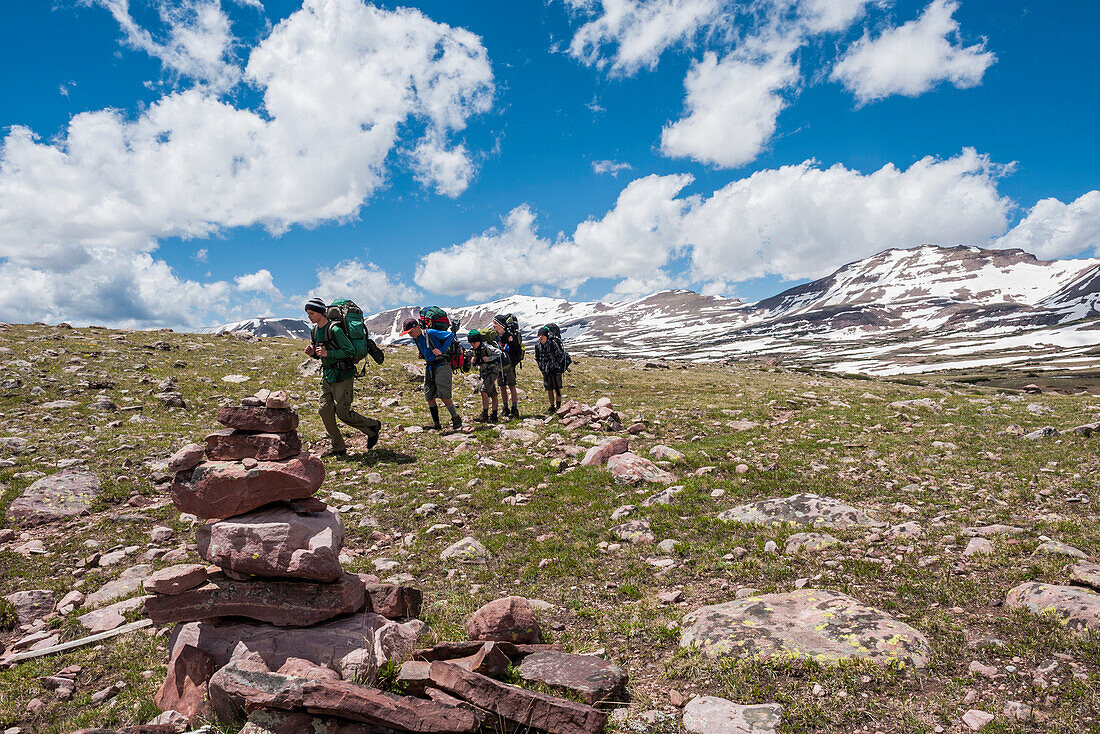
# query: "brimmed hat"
(409, 325)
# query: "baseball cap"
(409, 325)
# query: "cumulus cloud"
(627, 35)
(913, 58)
(832, 16)
(196, 39)
(635, 239)
(261, 282)
(371, 287)
(805, 221)
(342, 82)
(732, 107)
(795, 222)
(1053, 229)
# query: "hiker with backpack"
(330, 343)
(552, 359)
(511, 347)
(438, 349)
(487, 358)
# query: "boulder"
(273, 721)
(1084, 573)
(467, 550)
(511, 619)
(265, 420)
(821, 625)
(278, 602)
(712, 715)
(799, 509)
(601, 452)
(276, 541)
(184, 688)
(630, 468)
(666, 452)
(66, 494)
(176, 579)
(253, 689)
(217, 489)
(186, 458)
(1076, 608)
(809, 542)
(230, 444)
(586, 676)
(634, 531)
(355, 646)
(528, 708)
(32, 604)
(394, 601)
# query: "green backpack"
(350, 317)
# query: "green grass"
(831, 434)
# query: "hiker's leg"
(344, 394)
(327, 411)
(485, 401)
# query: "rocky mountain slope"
(900, 311)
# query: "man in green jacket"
(331, 345)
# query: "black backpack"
(511, 327)
(555, 334)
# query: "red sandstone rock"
(267, 420)
(299, 668)
(225, 488)
(282, 603)
(340, 698)
(588, 676)
(184, 689)
(510, 619)
(394, 601)
(536, 710)
(176, 579)
(276, 541)
(186, 458)
(601, 452)
(231, 445)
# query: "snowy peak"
(293, 328)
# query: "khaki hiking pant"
(336, 398)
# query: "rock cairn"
(601, 416)
(275, 632)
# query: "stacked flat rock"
(277, 546)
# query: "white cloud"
(804, 221)
(1053, 229)
(202, 255)
(261, 282)
(197, 41)
(343, 83)
(832, 16)
(635, 239)
(913, 58)
(369, 286)
(113, 287)
(796, 222)
(732, 107)
(638, 30)
(612, 167)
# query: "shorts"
(437, 382)
(552, 381)
(487, 385)
(508, 376)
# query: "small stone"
(978, 546)
(975, 719)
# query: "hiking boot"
(334, 452)
(550, 410)
(515, 412)
(456, 423)
(372, 440)
(433, 427)
(484, 417)
(493, 417)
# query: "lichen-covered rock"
(467, 550)
(809, 542)
(1085, 574)
(590, 677)
(712, 715)
(822, 625)
(1076, 608)
(276, 541)
(799, 509)
(65, 494)
(630, 468)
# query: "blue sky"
(185, 162)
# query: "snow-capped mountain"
(293, 328)
(902, 310)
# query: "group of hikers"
(339, 339)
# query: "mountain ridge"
(900, 310)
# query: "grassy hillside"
(834, 436)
